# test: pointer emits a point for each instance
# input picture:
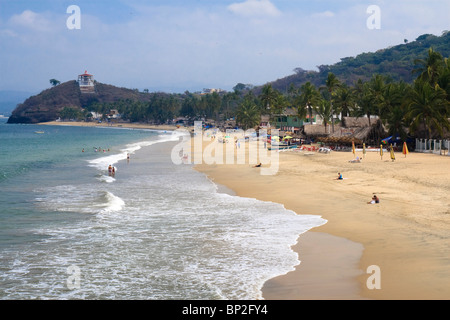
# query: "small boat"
(39, 132)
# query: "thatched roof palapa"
(357, 130)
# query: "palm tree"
(268, 97)
(331, 85)
(397, 122)
(325, 110)
(248, 114)
(344, 100)
(428, 106)
(365, 105)
(308, 96)
(430, 67)
(444, 78)
(391, 96)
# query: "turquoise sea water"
(156, 230)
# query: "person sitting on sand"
(257, 166)
(374, 200)
(357, 160)
(339, 176)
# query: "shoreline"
(406, 240)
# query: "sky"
(179, 45)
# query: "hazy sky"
(178, 45)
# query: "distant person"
(257, 166)
(113, 172)
(109, 170)
(374, 200)
(339, 176)
(357, 160)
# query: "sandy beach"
(405, 236)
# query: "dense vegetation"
(406, 86)
(421, 108)
(395, 62)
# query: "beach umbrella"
(392, 153)
(381, 151)
(364, 149)
(405, 149)
(287, 137)
(353, 148)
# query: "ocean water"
(156, 230)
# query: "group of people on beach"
(111, 171)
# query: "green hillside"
(397, 62)
(47, 105)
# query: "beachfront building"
(86, 83)
(289, 121)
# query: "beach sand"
(406, 235)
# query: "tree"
(308, 97)
(54, 82)
(365, 105)
(428, 106)
(229, 104)
(344, 100)
(70, 113)
(331, 85)
(248, 114)
(325, 110)
(444, 78)
(268, 97)
(430, 67)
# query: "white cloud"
(30, 20)
(187, 47)
(254, 8)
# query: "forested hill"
(47, 105)
(396, 62)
